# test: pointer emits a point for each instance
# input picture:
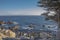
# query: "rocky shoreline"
(30, 34)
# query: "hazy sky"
(19, 7)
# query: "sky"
(20, 7)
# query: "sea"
(27, 20)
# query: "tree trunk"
(58, 32)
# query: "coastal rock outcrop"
(10, 33)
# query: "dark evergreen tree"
(52, 6)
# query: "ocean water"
(27, 20)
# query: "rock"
(10, 34)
